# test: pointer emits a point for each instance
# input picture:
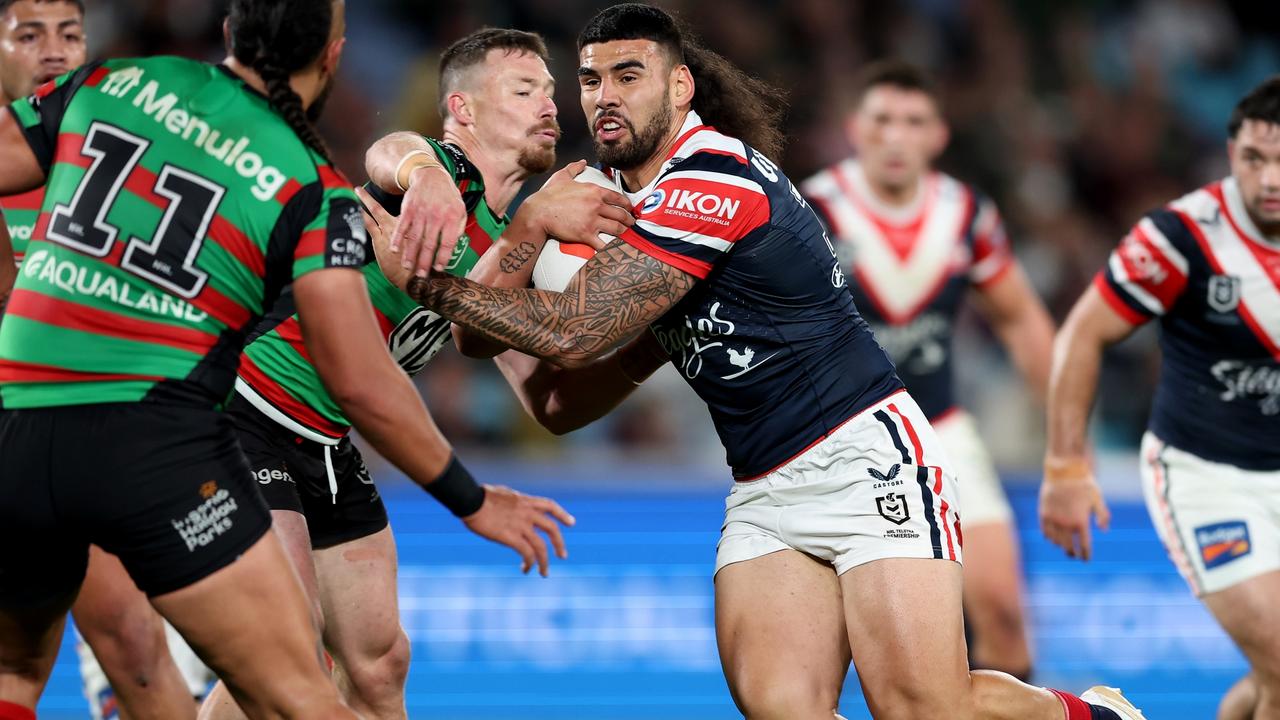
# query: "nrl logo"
(893, 507)
(1224, 293)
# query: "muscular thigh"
(907, 636)
(1248, 611)
(779, 621)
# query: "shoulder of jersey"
(1200, 207)
(709, 150)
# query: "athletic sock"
(1078, 709)
(13, 711)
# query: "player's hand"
(1069, 496)
(377, 221)
(432, 218)
(579, 212)
(513, 519)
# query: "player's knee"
(913, 698)
(132, 646)
(796, 700)
(382, 669)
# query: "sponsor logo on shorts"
(1223, 542)
(266, 476)
(884, 480)
(901, 534)
(893, 507)
(210, 519)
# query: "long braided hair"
(277, 38)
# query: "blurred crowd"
(1076, 116)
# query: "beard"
(538, 158)
(316, 109)
(641, 147)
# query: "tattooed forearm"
(518, 257)
(618, 292)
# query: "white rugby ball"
(559, 262)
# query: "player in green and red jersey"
(166, 232)
(499, 128)
(39, 40)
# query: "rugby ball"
(559, 262)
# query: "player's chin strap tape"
(457, 490)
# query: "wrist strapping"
(407, 157)
(457, 490)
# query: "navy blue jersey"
(769, 337)
(1205, 270)
(912, 267)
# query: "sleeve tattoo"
(617, 293)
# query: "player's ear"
(682, 86)
(851, 128)
(460, 109)
(941, 136)
(332, 54)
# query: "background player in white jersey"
(737, 278)
(1208, 267)
(916, 242)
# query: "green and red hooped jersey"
(21, 212)
(276, 374)
(178, 206)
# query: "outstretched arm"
(432, 214)
(614, 296)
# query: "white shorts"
(984, 498)
(1220, 523)
(878, 487)
(97, 689)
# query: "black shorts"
(328, 484)
(164, 487)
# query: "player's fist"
(1069, 496)
(513, 519)
(579, 212)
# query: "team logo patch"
(1224, 293)
(893, 507)
(653, 202)
(417, 339)
(1223, 542)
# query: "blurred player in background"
(1207, 266)
(744, 291)
(916, 242)
(499, 128)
